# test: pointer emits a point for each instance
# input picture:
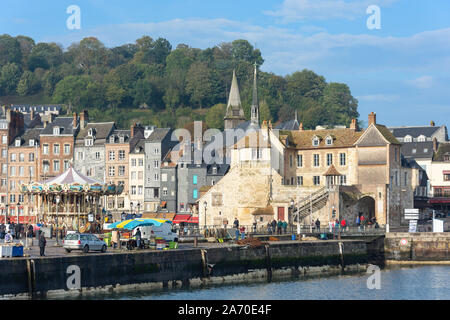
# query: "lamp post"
(57, 198)
(6, 213)
(18, 204)
(205, 205)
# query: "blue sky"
(400, 71)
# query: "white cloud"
(378, 97)
(295, 10)
(423, 82)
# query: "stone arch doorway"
(366, 207)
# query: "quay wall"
(417, 247)
(182, 267)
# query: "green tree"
(9, 50)
(9, 78)
(214, 116)
(339, 103)
(243, 50)
(264, 111)
(304, 84)
(79, 91)
(26, 45)
(89, 52)
(45, 55)
(198, 82)
(28, 84)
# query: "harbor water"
(430, 282)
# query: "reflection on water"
(404, 283)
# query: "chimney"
(435, 144)
(45, 123)
(75, 120)
(264, 124)
(300, 128)
(132, 129)
(32, 114)
(84, 118)
(354, 125)
(372, 118)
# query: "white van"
(163, 231)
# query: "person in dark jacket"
(138, 238)
(236, 223)
(30, 231)
(274, 226)
(2, 230)
(17, 227)
(42, 244)
(318, 225)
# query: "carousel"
(70, 200)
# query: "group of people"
(277, 227)
(239, 231)
(16, 231)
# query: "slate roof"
(37, 108)
(401, 132)
(443, 150)
(303, 139)
(26, 136)
(332, 171)
(387, 134)
(65, 123)
(139, 147)
(222, 169)
(254, 139)
(158, 134)
(116, 133)
(423, 149)
(101, 131)
(288, 125)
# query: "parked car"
(83, 241)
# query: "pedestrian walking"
(284, 227)
(42, 244)
(269, 227)
(236, 223)
(242, 232)
(330, 226)
(363, 222)
(237, 234)
(318, 225)
(254, 226)
(30, 230)
(138, 238)
(8, 237)
(358, 223)
(114, 238)
(279, 226)
(12, 229)
(2, 230)
(343, 224)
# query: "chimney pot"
(372, 118)
(75, 119)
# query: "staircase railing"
(306, 205)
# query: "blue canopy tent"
(131, 224)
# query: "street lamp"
(18, 204)
(6, 212)
(205, 205)
(57, 198)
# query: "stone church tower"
(235, 114)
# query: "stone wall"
(420, 246)
(187, 266)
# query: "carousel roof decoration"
(71, 181)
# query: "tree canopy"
(170, 86)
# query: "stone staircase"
(310, 204)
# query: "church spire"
(255, 104)
(235, 114)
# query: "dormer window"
(17, 142)
(408, 139)
(111, 139)
(90, 132)
(315, 141)
(214, 170)
(31, 143)
(89, 142)
(56, 130)
(421, 138)
(121, 139)
(329, 141)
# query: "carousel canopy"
(71, 181)
(70, 176)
